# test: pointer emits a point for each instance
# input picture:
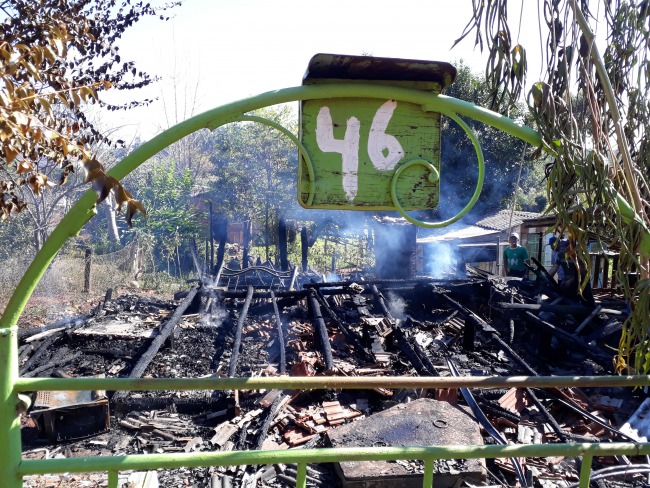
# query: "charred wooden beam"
(559, 309)
(282, 244)
(218, 271)
(222, 236)
(304, 246)
(34, 358)
(424, 367)
(278, 321)
(157, 342)
(247, 239)
(468, 314)
(567, 338)
(191, 406)
(238, 333)
(65, 323)
(57, 361)
(266, 423)
(294, 277)
(263, 292)
(321, 331)
(405, 282)
(586, 321)
(469, 334)
(349, 334)
(380, 301)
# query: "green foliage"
(172, 218)
(254, 176)
(503, 156)
(56, 57)
(599, 145)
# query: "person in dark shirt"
(575, 272)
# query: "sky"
(217, 51)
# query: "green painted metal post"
(11, 465)
(585, 471)
(301, 478)
(9, 420)
(113, 479)
(427, 482)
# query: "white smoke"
(396, 306)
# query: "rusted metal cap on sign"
(348, 67)
(370, 153)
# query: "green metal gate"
(13, 468)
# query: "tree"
(55, 57)
(254, 170)
(504, 154)
(172, 220)
(601, 152)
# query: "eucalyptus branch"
(613, 109)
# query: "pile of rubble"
(474, 326)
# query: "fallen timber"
(166, 330)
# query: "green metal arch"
(296, 141)
(426, 164)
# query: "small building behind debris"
(481, 243)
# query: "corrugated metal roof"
(501, 220)
(462, 233)
(638, 426)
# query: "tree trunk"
(113, 234)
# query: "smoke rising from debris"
(396, 306)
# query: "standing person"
(559, 256)
(515, 258)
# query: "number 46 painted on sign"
(384, 150)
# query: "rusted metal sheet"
(67, 415)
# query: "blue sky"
(216, 51)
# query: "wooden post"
(469, 333)
(305, 248)
(88, 260)
(247, 238)
(594, 278)
(222, 234)
(282, 244)
(498, 266)
(211, 266)
(206, 263)
(614, 271)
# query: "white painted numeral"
(378, 140)
(384, 150)
(348, 147)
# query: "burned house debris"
(260, 322)
(263, 322)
